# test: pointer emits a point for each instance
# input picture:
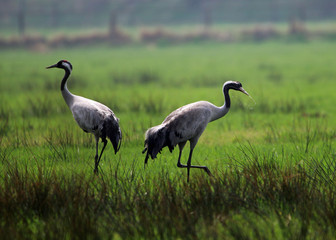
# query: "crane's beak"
(52, 66)
(243, 91)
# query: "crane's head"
(64, 64)
(235, 85)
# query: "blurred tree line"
(22, 14)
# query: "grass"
(241, 201)
(273, 161)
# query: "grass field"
(273, 161)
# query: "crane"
(187, 123)
(91, 116)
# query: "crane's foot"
(95, 171)
(206, 169)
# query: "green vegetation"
(273, 161)
(59, 14)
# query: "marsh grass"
(256, 190)
(273, 161)
(260, 193)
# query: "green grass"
(273, 161)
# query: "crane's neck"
(223, 110)
(67, 95)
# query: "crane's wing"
(90, 115)
(187, 123)
(98, 119)
(183, 124)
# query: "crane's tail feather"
(116, 142)
(119, 144)
(113, 132)
(146, 159)
(156, 140)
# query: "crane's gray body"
(91, 116)
(94, 117)
(187, 123)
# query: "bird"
(187, 123)
(91, 116)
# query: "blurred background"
(29, 22)
(125, 51)
(273, 156)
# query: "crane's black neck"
(227, 97)
(65, 78)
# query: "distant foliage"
(79, 13)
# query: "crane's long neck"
(223, 110)
(67, 95)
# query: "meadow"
(273, 160)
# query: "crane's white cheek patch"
(67, 65)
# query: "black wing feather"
(156, 139)
(113, 132)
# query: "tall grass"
(255, 197)
(273, 161)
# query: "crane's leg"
(205, 168)
(101, 153)
(189, 162)
(181, 146)
(96, 157)
(188, 166)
